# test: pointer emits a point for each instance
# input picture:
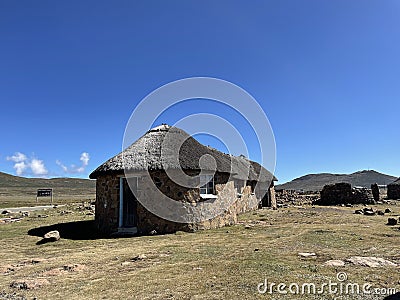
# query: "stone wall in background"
(393, 191)
(343, 193)
(286, 197)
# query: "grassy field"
(18, 191)
(18, 200)
(226, 263)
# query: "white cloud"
(85, 157)
(23, 163)
(20, 167)
(17, 157)
(37, 167)
(65, 169)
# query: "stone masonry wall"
(343, 193)
(272, 196)
(107, 204)
(247, 201)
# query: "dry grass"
(226, 263)
(16, 200)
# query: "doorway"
(128, 205)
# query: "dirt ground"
(233, 262)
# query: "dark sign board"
(44, 193)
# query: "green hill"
(16, 190)
(315, 182)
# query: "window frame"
(206, 189)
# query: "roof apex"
(162, 127)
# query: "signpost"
(44, 193)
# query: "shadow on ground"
(393, 297)
(78, 230)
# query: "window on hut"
(206, 184)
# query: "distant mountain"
(7, 180)
(16, 185)
(315, 182)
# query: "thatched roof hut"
(135, 193)
(393, 190)
(396, 182)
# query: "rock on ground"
(307, 254)
(52, 236)
(74, 268)
(334, 263)
(12, 296)
(64, 270)
(373, 262)
(30, 284)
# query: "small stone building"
(343, 193)
(167, 181)
(393, 190)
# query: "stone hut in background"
(393, 190)
(343, 193)
(167, 181)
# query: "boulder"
(372, 262)
(52, 236)
(388, 210)
(369, 213)
(392, 221)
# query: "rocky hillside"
(315, 182)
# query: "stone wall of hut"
(393, 191)
(107, 204)
(246, 201)
(272, 196)
(147, 221)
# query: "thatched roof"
(397, 182)
(158, 149)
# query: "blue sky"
(326, 73)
